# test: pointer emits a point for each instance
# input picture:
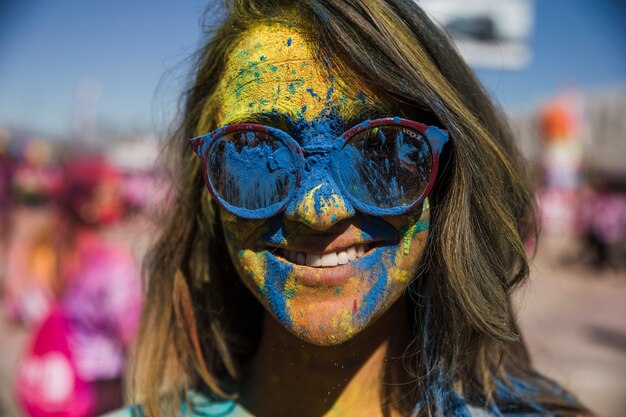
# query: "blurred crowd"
(582, 194)
(69, 272)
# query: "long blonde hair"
(466, 348)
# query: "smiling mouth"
(328, 259)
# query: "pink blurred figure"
(75, 363)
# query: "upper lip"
(340, 237)
(332, 247)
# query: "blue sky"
(137, 53)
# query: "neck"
(289, 377)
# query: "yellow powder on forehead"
(274, 68)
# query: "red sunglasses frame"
(202, 145)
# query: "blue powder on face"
(371, 227)
(377, 265)
(319, 138)
(361, 97)
(329, 93)
(374, 228)
(313, 93)
(323, 131)
(374, 296)
(275, 278)
(275, 233)
(288, 41)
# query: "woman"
(377, 262)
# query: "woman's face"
(322, 268)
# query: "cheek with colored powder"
(265, 276)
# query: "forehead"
(274, 68)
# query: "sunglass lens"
(251, 170)
(386, 167)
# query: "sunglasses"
(384, 167)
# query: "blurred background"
(87, 89)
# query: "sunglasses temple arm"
(437, 137)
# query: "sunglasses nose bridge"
(318, 203)
(317, 158)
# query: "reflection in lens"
(386, 166)
(251, 170)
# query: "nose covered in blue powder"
(318, 201)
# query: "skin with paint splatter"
(274, 77)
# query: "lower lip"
(333, 276)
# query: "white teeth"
(313, 259)
(329, 259)
(342, 258)
(326, 259)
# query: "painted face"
(322, 268)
